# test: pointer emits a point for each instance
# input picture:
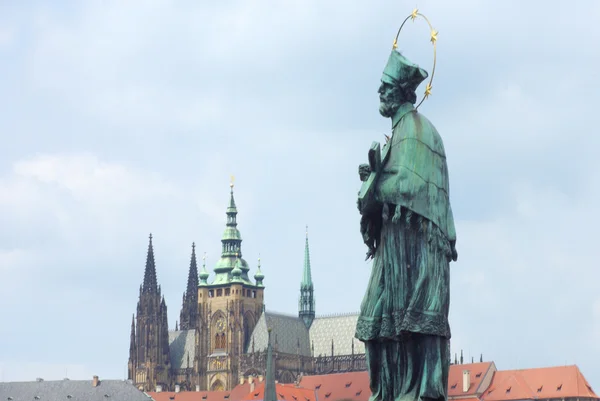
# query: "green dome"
(237, 271)
(228, 263)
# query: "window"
(220, 292)
(220, 341)
(211, 293)
(227, 291)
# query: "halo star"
(434, 34)
(414, 14)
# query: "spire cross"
(231, 183)
(150, 236)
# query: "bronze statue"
(408, 227)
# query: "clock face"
(221, 325)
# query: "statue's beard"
(388, 108)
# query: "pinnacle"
(150, 281)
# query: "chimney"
(95, 381)
(39, 379)
(158, 388)
(177, 388)
(242, 379)
(466, 381)
(252, 386)
(260, 378)
(197, 388)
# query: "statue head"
(399, 82)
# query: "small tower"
(259, 276)
(188, 317)
(306, 304)
(204, 273)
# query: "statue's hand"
(364, 171)
(454, 252)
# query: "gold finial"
(395, 45)
(231, 182)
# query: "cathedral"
(222, 335)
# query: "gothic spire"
(306, 274)
(306, 307)
(192, 283)
(150, 283)
(188, 317)
(132, 346)
(270, 392)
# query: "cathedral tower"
(229, 308)
(306, 305)
(188, 318)
(149, 359)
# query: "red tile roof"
(539, 383)
(478, 372)
(339, 386)
(285, 392)
(234, 395)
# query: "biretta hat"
(401, 71)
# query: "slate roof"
(78, 390)
(341, 329)
(289, 330)
(181, 345)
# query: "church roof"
(181, 346)
(340, 329)
(290, 331)
(71, 389)
(287, 332)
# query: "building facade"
(223, 330)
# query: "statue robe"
(404, 314)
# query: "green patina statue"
(408, 227)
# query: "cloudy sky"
(124, 118)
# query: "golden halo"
(433, 40)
